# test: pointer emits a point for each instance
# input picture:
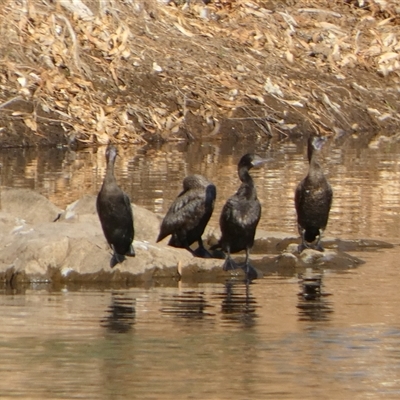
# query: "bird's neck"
(109, 178)
(245, 177)
(315, 170)
(314, 162)
(247, 188)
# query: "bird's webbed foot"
(251, 272)
(302, 246)
(230, 265)
(319, 247)
(201, 252)
(116, 259)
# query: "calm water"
(365, 180)
(214, 341)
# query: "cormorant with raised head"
(115, 213)
(189, 214)
(313, 199)
(240, 215)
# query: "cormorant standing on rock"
(189, 214)
(115, 213)
(240, 215)
(313, 199)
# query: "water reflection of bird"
(189, 214)
(238, 305)
(120, 315)
(312, 304)
(313, 199)
(115, 213)
(240, 215)
(187, 305)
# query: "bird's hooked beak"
(318, 142)
(259, 162)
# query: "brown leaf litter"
(131, 72)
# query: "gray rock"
(28, 205)
(73, 249)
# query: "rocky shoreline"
(41, 243)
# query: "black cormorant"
(240, 215)
(189, 214)
(115, 213)
(313, 199)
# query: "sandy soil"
(143, 71)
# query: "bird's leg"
(246, 261)
(181, 242)
(229, 264)
(250, 271)
(303, 245)
(318, 245)
(201, 251)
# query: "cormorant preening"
(189, 214)
(240, 215)
(115, 213)
(313, 199)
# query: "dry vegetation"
(134, 71)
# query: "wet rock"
(28, 205)
(287, 260)
(312, 257)
(291, 262)
(272, 242)
(83, 206)
(360, 244)
(266, 242)
(284, 264)
(73, 249)
(329, 259)
(147, 224)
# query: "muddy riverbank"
(86, 73)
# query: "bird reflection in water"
(120, 315)
(188, 304)
(238, 305)
(313, 304)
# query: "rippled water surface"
(181, 340)
(365, 180)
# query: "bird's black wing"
(184, 213)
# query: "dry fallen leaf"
(31, 124)
(220, 64)
(183, 30)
